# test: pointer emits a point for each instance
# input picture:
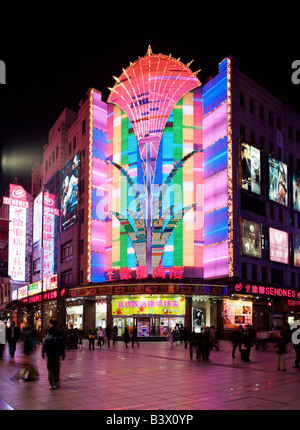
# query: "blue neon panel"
(98, 205)
(99, 144)
(97, 267)
(215, 92)
(215, 158)
(216, 226)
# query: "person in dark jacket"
(281, 351)
(53, 348)
(12, 336)
(126, 336)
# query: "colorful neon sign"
(162, 305)
(17, 202)
(141, 272)
(48, 235)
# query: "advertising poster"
(251, 238)
(278, 180)
(198, 319)
(17, 243)
(237, 312)
(143, 327)
(69, 200)
(250, 168)
(296, 251)
(279, 246)
(161, 305)
(296, 190)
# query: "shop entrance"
(148, 326)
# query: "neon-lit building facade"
(171, 220)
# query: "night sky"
(53, 57)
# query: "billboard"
(279, 245)
(37, 221)
(250, 168)
(18, 203)
(278, 181)
(69, 191)
(236, 313)
(296, 251)
(149, 305)
(250, 238)
(296, 190)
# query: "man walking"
(53, 347)
(12, 336)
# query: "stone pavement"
(153, 377)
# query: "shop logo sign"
(2, 72)
(295, 334)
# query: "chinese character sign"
(17, 243)
(149, 305)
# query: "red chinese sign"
(141, 272)
(267, 291)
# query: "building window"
(272, 211)
(291, 132)
(252, 137)
(81, 276)
(252, 106)
(254, 272)
(36, 266)
(244, 270)
(271, 120)
(298, 136)
(242, 99)
(67, 251)
(57, 152)
(264, 274)
(74, 143)
(292, 219)
(81, 246)
(271, 150)
(242, 131)
(49, 161)
(280, 214)
(261, 113)
(279, 124)
(46, 165)
(67, 277)
(83, 127)
(262, 143)
(70, 147)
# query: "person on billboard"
(246, 168)
(282, 185)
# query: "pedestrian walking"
(114, 334)
(92, 336)
(170, 337)
(53, 348)
(281, 351)
(193, 343)
(2, 338)
(12, 336)
(134, 337)
(237, 340)
(246, 346)
(29, 371)
(126, 336)
(72, 333)
(101, 334)
(108, 334)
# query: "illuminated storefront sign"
(22, 292)
(237, 312)
(141, 272)
(17, 202)
(279, 246)
(50, 283)
(266, 291)
(38, 221)
(160, 305)
(35, 288)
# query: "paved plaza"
(153, 377)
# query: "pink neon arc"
(148, 90)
